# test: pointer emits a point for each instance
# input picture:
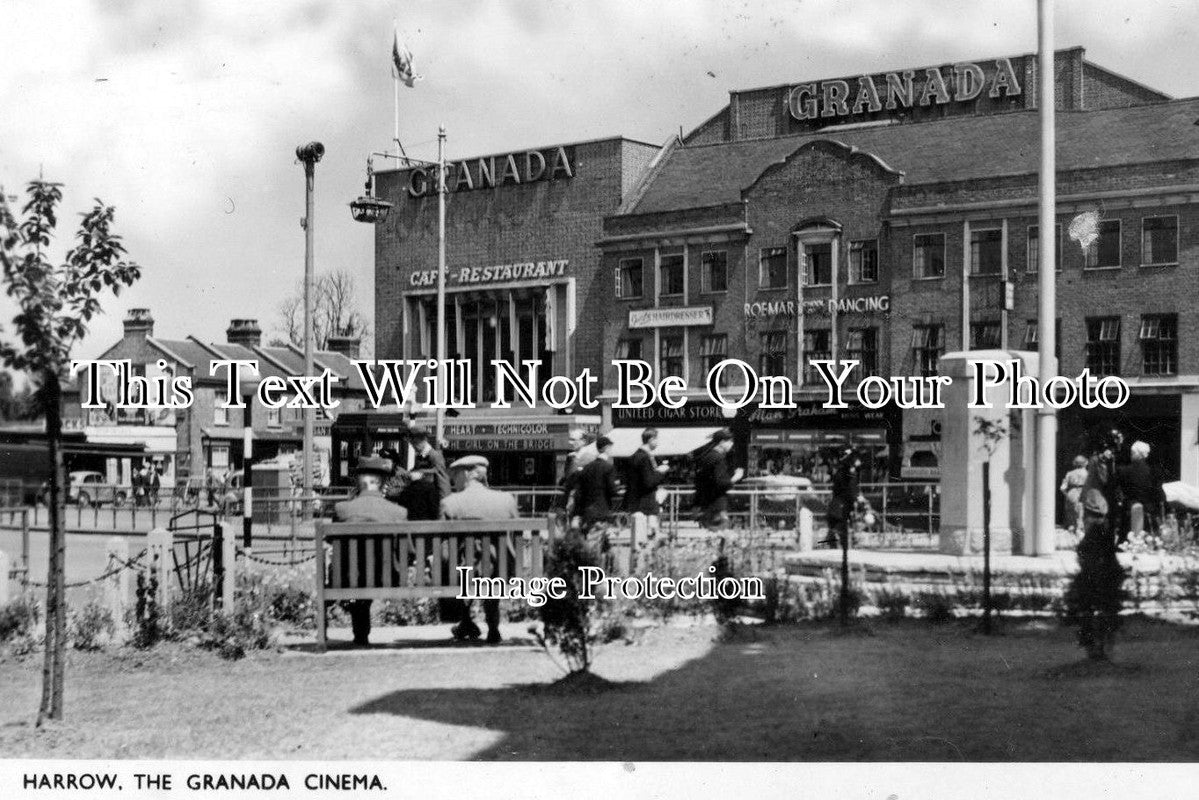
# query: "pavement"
(398, 638)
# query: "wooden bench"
(377, 561)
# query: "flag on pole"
(401, 59)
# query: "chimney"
(139, 323)
(348, 346)
(244, 332)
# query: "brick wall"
(558, 219)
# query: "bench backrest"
(420, 559)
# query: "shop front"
(522, 450)
(807, 440)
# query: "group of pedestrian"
(387, 492)
(147, 483)
(1104, 489)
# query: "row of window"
(1159, 247)
(1158, 340)
(1157, 337)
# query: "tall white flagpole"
(395, 85)
(1044, 527)
(442, 372)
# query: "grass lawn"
(908, 691)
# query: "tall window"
(1034, 247)
(712, 350)
(274, 418)
(817, 345)
(772, 353)
(772, 268)
(1031, 336)
(863, 261)
(671, 277)
(1105, 250)
(985, 335)
(628, 278)
(928, 255)
(218, 456)
(927, 346)
(1103, 345)
(819, 264)
(672, 357)
(1159, 240)
(714, 271)
(628, 349)
(986, 252)
(1159, 344)
(861, 345)
(220, 414)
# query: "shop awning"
(671, 441)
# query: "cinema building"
(523, 281)
(885, 218)
(890, 218)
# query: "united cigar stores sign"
(534, 271)
(510, 169)
(909, 88)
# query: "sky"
(185, 116)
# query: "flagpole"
(443, 373)
(395, 85)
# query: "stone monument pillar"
(964, 451)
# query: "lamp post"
(370, 209)
(309, 154)
(1044, 528)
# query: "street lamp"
(370, 209)
(309, 154)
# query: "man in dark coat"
(713, 481)
(1139, 484)
(368, 505)
(596, 490)
(643, 477)
(428, 482)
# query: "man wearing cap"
(368, 505)
(713, 480)
(477, 501)
(428, 482)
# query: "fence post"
(4, 590)
(807, 529)
(229, 557)
(116, 587)
(159, 543)
(25, 549)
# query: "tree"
(55, 304)
(992, 432)
(335, 311)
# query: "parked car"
(87, 488)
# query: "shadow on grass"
(910, 692)
(345, 645)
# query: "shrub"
(936, 607)
(1094, 598)
(91, 626)
(853, 599)
(191, 611)
(19, 618)
(232, 635)
(892, 605)
(566, 622)
(282, 596)
(422, 611)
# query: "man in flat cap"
(368, 505)
(428, 482)
(477, 501)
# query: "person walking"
(1071, 489)
(713, 481)
(845, 500)
(1139, 484)
(644, 477)
(475, 501)
(428, 482)
(368, 505)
